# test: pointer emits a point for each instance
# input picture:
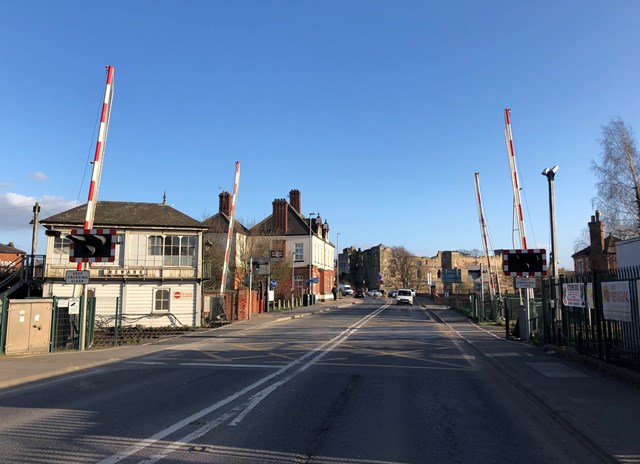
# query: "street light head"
(550, 172)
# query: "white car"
(345, 289)
(404, 296)
(374, 293)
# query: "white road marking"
(142, 444)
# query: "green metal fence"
(583, 327)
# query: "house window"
(161, 299)
(297, 281)
(155, 245)
(299, 251)
(61, 245)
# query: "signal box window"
(61, 245)
(155, 245)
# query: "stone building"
(390, 268)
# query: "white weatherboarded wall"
(138, 303)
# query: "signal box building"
(155, 278)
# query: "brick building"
(600, 255)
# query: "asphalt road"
(371, 383)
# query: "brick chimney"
(294, 200)
(280, 216)
(596, 238)
(225, 203)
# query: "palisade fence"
(584, 327)
(589, 329)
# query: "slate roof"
(126, 214)
(9, 249)
(609, 247)
(219, 223)
(296, 224)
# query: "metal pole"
(293, 277)
(250, 286)
(310, 256)
(552, 212)
(338, 264)
(481, 290)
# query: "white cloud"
(39, 176)
(16, 210)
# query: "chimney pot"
(294, 200)
(225, 203)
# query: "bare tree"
(617, 186)
(582, 241)
(474, 253)
(405, 267)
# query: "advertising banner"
(573, 294)
(616, 301)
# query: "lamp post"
(550, 174)
(311, 253)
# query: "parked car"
(345, 289)
(392, 293)
(404, 296)
(359, 293)
(374, 293)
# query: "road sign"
(525, 282)
(451, 276)
(74, 306)
(277, 254)
(76, 277)
(273, 283)
(313, 280)
(261, 266)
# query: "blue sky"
(379, 112)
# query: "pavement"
(599, 404)
(23, 369)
